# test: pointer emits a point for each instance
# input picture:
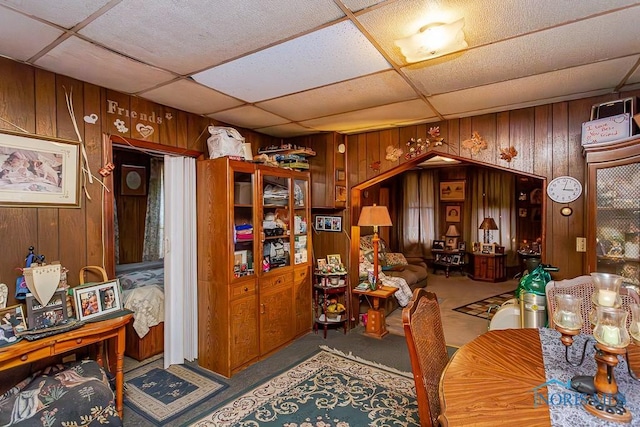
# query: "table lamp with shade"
(452, 234)
(488, 224)
(375, 216)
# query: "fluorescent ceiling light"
(433, 40)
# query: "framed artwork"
(340, 175)
(328, 223)
(334, 259)
(462, 246)
(452, 213)
(455, 260)
(133, 180)
(452, 191)
(97, 299)
(452, 243)
(240, 257)
(438, 245)
(52, 314)
(12, 322)
(321, 263)
(39, 172)
(488, 248)
(341, 193)
(522, 212)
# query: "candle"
(569, 320)
(610, 335)
(606, 298)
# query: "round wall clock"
(564, 189)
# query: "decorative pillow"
(366, 246)
(395, 258)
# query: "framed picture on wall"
(452, 191)
(133, 180)
(452, 213)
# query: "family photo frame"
(95, 300)
(39, 172)
(438, 245)
(334, 259)
(328, 223)
(12, 323)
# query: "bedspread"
(147, 304)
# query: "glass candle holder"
(607, 288)
(634, 329)
(568, 314)
(611, 328)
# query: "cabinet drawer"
(72, 344)
(29, 357)
(300, 275)
(239, 290)
(276, 280)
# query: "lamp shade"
(488, 224)
(452, 231)
(374, 216)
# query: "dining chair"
(583, 287)
(423, 331)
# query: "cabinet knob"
(24, 357)
(78, 340)
(246, 289)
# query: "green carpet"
(481, 308)
(329, 388)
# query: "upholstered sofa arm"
(417, 261)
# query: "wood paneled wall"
(547, 139)
(34, 100)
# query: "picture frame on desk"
(455, 259)
(438, 245)
(462, 246)
(452, 243)
(51, 314)
(488, 248)
(94, 300)
(12, 322)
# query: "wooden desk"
(92, 333)
(490, 381)
(448, 260)
(376, 325)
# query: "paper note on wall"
(606, 129)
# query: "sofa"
(395, 264)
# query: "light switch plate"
(581, 244)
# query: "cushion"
(366, 246)
(395, 258)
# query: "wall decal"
(91, 119)
(376, 166)
(119, 124)
(144, 130)
(393, 153)
(508, 153)
(475, 143)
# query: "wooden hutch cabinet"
(254, 256)
(613, 208)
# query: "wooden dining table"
(493, 380)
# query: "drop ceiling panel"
(534, 88)
(190, 96)
(287, 130)
(85, 61)
(66, 13)
(364, 92)
(357, 5)
(249, 117)
(203, 33)
(484, 21)
(332, 54)
(22, 37)
(519, 57)
(370, 117)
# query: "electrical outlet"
(581, 244)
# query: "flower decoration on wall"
(508, 153)
(419, 146)
(376, 166)
(393, 153)
(475, 143)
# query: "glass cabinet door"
(618, 221)
(301, 220)
(243, 226)
(275, 216)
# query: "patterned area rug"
(328, 389)
(161, 395)
(481, 308)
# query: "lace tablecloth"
(562, 402)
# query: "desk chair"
(583, 287)
(428, 352)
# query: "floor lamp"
(375, 216)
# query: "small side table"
(376, 326)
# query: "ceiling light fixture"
(433, 40)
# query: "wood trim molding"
(117, 140)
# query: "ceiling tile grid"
(250, 117)
(22, 37)
(65, 13)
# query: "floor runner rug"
(160, 395)
(329, 389)
(481, 308)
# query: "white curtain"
(418, 213)
(181, 308)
